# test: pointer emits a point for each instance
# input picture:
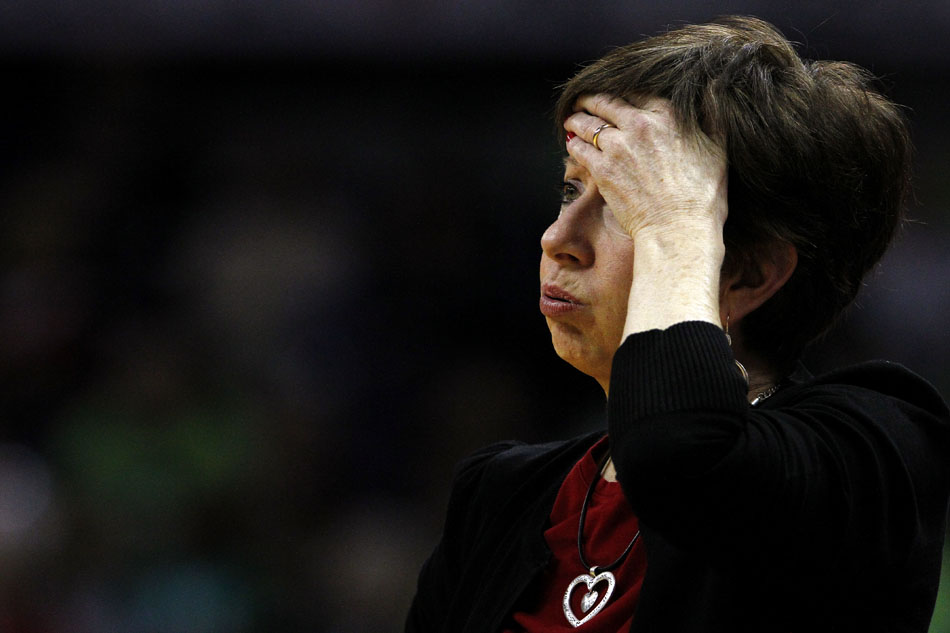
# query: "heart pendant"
(587, 602)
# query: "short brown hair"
(816, 159)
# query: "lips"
(556, 301)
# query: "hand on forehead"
(611, 107)
(595, 113)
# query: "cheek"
(612, 226)
(616, 268)
(615, 278)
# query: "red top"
(608, 529)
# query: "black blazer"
(822, 509)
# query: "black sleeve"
(436, 585)
(829, 475)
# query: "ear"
(744, 290)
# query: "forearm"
(675, 276)
(792, 483)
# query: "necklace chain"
(764, 395)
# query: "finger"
(621, 112)
(585, 125)
(586, 155)
(613, 109)
(596, 136)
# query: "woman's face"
(586, 270)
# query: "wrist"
(675, 278)
(695, 244)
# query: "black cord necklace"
(594, 570)
(597, 573)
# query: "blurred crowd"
(253, 313)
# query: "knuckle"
(640, 124)
(617, 150)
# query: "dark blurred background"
(270, 269)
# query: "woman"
(722, 201)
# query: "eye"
(569, 192)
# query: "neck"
(759, 387)
(610, 473)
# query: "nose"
(568, 239)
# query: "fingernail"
(570, 135)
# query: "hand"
(651, 175)
(668, 192)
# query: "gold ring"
(600, 128)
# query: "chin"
(580, 354)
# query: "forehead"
(573, 169)
(570, 163)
